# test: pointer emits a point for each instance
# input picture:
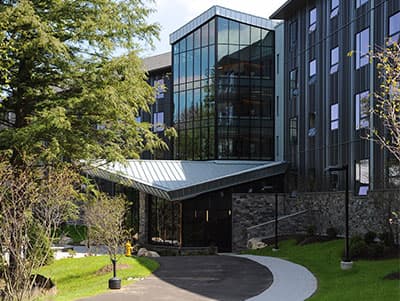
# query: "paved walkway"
(197, 278)
(292, 282)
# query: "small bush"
(369, 237)
(358, 247)
(376, 251)
(311, 230)
(331, 233)
(387, 238)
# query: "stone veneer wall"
(324, 210)
(143, 218)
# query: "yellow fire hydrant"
(128, 249)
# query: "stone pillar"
(143, 218)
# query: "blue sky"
(172, 14)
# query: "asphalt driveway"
(197, 278)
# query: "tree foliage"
(64, 93)
(105, 219)
(34, 201)
(387, 98)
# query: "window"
(362, 177)
(334, 8)
(362, 110)
(362, 48)
(313, 68)
(334, 116)
(293, 130)
(160, 88)
(293, 82)
(313, 20)
(334, 60)
(360, 3)
(394, 28)
(158, 122)
(311, 124)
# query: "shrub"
(358, 247)
(376, 250)
(387, 238)
(311, 230)
(331, 233)
(369, 237)
(40, 245)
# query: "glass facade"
(224, 92)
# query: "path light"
(346, 263)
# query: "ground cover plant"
(81, 277)
(364, 282)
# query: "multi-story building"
(248, 97)
(329, 93)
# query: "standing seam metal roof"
(223, 12)
(179, 180)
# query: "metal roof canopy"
(179, 180)
(223, 12)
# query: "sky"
(173, 14)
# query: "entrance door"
(207, 221)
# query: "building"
(159, 76)
(262, 108)
(224, 88)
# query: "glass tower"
(223, 85)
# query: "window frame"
(334, 120)
(312, 23)
(359, 166)
(362, 55)
(360, 3)
(395, 34)
(334, 65)
(334, 9)
(362, 117)
(312, 65)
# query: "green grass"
(76, 278)
(364, 282)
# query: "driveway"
(197, 278)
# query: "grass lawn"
(76, 278)
(364, 282)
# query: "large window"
(360, 3)
(394, 28)
(362, 177)
(362, 110)
(362, 48)
(293, 33)
(334, 60)
(334, 116)
(334, 8)
(226, 77)
(313, 20)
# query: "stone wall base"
(322, 211)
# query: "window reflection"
(227, 92)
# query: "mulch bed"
(392, 276)
(109, 268)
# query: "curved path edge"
(291, 281)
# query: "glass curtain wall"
(224, 92)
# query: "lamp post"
(346, 263)
(276, 247)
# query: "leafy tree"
(387, 98)
(105, 218)
(34, 201)
(64, 94)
